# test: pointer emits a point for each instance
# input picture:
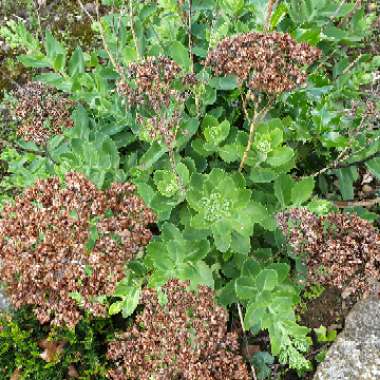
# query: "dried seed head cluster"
(150, 82)
(42, 112)
(342, 250)
(271, 63)
(58, 241)
(184, 339)
(149, 85)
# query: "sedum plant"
(222, 114)
(179, 334)
(64, 246)
(223, 206)
(340, 250)
(172, 256)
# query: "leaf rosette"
(223, 206)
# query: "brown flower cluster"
(150, 82)
(149, 85)
(42, 112)
(268, 62)
(59, 240)
(184, 339)
(341, 250)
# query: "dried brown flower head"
(150, 82)
(341, 250)
(58, 240)
(268, 62)
(184, 339)
(42, 112)
(149, 86)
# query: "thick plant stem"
(189, 36)
(102, 34)
(246, 340)
(250, 142)
(252, 126)
(271, 4)
(131, 15)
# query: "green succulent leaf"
(302, 191)
(280, 156)
(214, 135)
(267, 280)
(224, 83)
(173, 256)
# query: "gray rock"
(355, 355)
(4, 304)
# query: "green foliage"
(128, 290)
(215, 221)
(292, 193)
(17, 36)
(223, 207)
(21, 348)
(172, 256)
(88, 151)
(270, 298)
(324, 335)
(261, 361)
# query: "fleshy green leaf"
(180, 54)
(76, 63)
(374, 167)
(283, 189)
(216, 134)
(166, 182)
(280, 156)
(267, 280)
(253, 315)
(346, 178)
(224, 83)
(302, 191)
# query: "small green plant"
(25, 349)
(262, 361)
(313, 292)
(324, 335)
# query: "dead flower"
(267, 62)
(340, 250)
(64, 244)
(185, 339)
(42, 112)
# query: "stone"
(355, 355)
(4, 303)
